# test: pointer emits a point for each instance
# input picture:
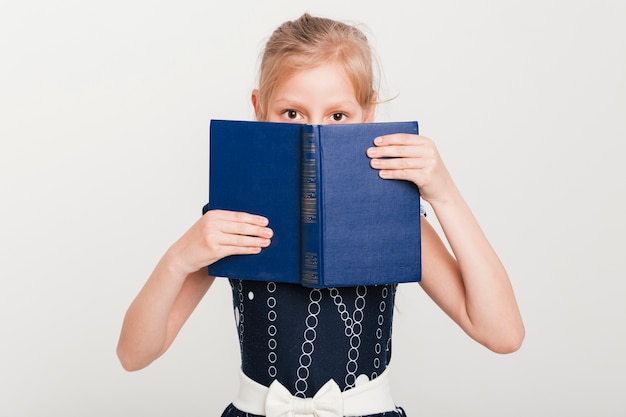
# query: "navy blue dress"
(304, 337)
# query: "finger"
(240, 250)
(241, 217)
(399, 163)
(242, 241)
(400, 139)
(226, 250)
(412, 175)
(246, 229)
(392, 151)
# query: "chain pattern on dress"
(303, 337)
(272, 344)
(308, 346)
(239, 316)
(353, 330)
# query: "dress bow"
(327, 402)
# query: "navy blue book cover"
(335, 221)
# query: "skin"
(470, 285)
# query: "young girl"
(315, 351)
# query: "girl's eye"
(338, 117)
(291, 114)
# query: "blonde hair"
(311, 41)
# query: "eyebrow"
(288, 102)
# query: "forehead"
(327, 82)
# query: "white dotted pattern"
(350, 310)
(379, 332)
(239, 314)
(353, 330)
(308, 346)
(272, 357)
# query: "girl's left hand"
(412, 158)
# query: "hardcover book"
(336, 222)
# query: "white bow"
(327, 402)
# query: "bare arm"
(157, 314)
(473, 289)
(472, 286)
(180, 280)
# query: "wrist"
(445, 197)
(171, 263)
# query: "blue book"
(336, 222)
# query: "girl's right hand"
(217, 234)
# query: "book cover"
(335, 221)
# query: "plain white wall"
(104, 108)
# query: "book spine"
(310, 219)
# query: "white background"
(104, 109)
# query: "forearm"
(180, 280)
(145, 328)
(473, 287)
(491, 312)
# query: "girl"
(312, 351)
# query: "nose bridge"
(315, 111)
(315, 119)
